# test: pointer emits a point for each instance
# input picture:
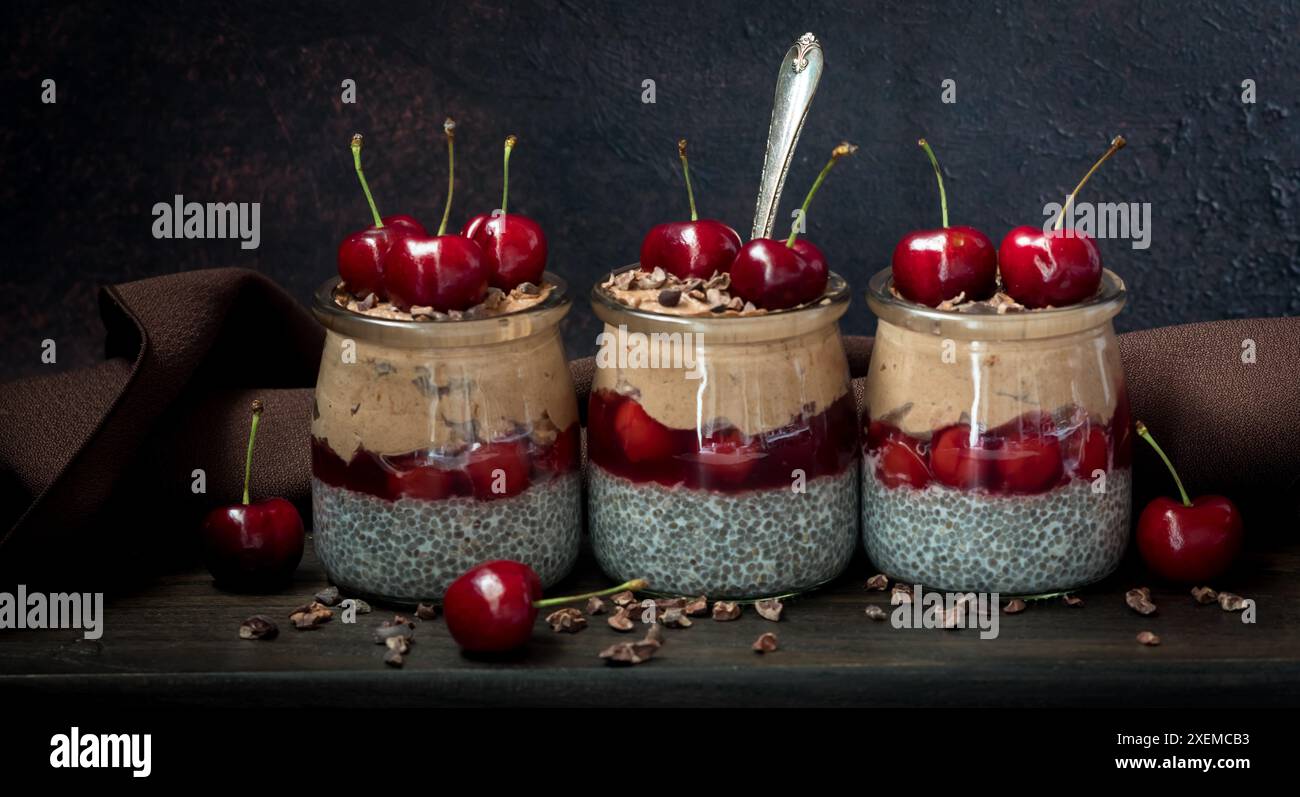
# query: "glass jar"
(722, 452)
(998, 446)
(442, 444)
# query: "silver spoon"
(795, 86)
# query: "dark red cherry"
(695, 248)
(933, 266)
(775, 276)
(514, 246)
(959, 458)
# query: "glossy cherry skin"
(514, 248)
(499, 469)
(775, 276)
(933, 266)
(254, 545)
(445, 272)
(1056, 268)
(690, 248)
(902, 462)
(362, 254)
(490, 609)
(1189, 544)
(642, 438)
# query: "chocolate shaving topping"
(1231, 602)
(595, 606)
(528, 289)
(876, 613)
(766, 643)
(1204, 595)
(879, 582)
(259, 626)
(426, 611)
(1139, 600)
(1014, 606)
(670, 298)
(567, 620)
(724, 611)
(1147, 638)
(769, 609)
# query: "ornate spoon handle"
(795, 86)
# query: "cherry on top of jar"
(1014, 325)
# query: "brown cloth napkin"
(97, 465)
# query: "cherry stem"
(449, 127)
(938, 175)
(1116, 144)
(843, 150)
(252, 435)
(505, 171)
(1146, 435)
(686, 172)
(634, 585)
(356, 161)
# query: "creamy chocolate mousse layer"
(922, 382)
(393, 400)
(497, 303)
(755, 387)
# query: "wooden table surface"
(176, 644)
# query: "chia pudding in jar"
(722, 438)
(441, 441)
(997, 443)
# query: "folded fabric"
(101, 464)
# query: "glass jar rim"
(798, 320)
(443, 332)
(1020, 325)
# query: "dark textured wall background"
(241, 102)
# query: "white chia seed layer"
(750, 544)
(411, 549)
(958, 541)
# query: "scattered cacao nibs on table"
(426, 611)
(878, 583)
(629, 653)
(1073, 601)
(901, 593)
(355, 604)
(328, 596)
(401, 619)
(769, 609)
(1231, 602)
(310, 617)
(766, 643)
(259, 626)
(567, 620)
(1139, 600)
(1014, 606)
(1147, 638)
(655, 634)
(400, 644)
(876, 613)
(624, 599)
(595, 606)
(393, 658)
(697, 607)
(386, 632)
(676, 618)
(724, 611)
(621, 620)
(1204, 595)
